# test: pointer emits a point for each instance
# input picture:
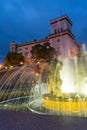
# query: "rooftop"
(60, 19)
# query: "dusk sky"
(25, 20)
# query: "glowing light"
(1, 66)
(68, 78)
(6, 67)
(67, 89)
(21, 63)
(11, 67)
(67, 85)
(84, 86)
(38, 62)
(37, 74)
(85, 89)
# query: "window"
(12, 48)
(20, 49)
(58, 48)
(55, 31)
(58, 40)
(58, 30)
(26, 54)
(61, 29)
(26, 48)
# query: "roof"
(34, 42)
(61, 18)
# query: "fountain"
(55, 87)
(66, 89)
(15, 85)
(56, 99)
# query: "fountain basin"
(64, 103)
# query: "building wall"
(25, 49)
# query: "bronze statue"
(54, 81)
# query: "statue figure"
(54, 81)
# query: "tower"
(61, 37)
(13, 47)
(60, 25)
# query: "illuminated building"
(61, 38)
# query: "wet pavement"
(10, 120)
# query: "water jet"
(58, 88)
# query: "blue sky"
(25, 20)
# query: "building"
(61, 38)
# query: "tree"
(50, 51)
(13, 59)
(44, 51)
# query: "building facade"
(61, 38)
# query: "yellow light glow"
(1, 66)
(11, 67)
(6, 67)
(21, 63)
(37, 74)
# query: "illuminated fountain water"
(15, 85)
(55, 87)
(66, 89)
